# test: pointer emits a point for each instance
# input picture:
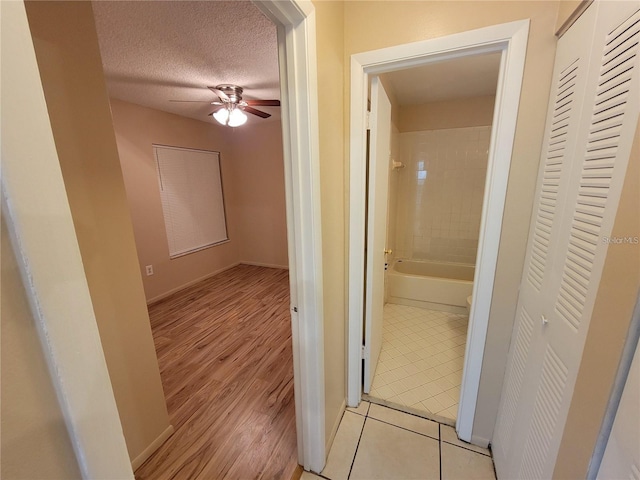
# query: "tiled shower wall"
(440, 193)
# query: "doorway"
(207, 203)
(509, 40)
(440, 124)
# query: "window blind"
(192, 198)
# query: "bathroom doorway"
(509, 42)
(440, 121)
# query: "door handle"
(388, 251)
(544, 319)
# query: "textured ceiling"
(460, 78)
(156, 51)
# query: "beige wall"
(331, 65)
(619, 285)
(137, 128)
(38, 215)
(69, 61)
(457, 113)
(34, 438)
(379, 24)
(258, 180)
(369, 27)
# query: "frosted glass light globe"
(222, 116)
(237, 117)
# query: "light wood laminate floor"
(224, 350)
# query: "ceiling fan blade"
(190, 101)
(223, 96)
(259, 113)
(264, 103)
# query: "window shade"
(192, 200)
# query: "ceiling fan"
(232, 106)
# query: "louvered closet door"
(590, 125)
(527, 346)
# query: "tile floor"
(376, 442)
(420, 366)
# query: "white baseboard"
(268, 265)
(147, 452)
(188, 284)
(334, 429)
(479, 441)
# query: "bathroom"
(441, 116)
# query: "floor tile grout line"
(399, 408)
(357, 413)
(440, 425)
(318, 475)
(495, 472)
(440, 449)
(355, 454)
(407, 429)
(351, 411)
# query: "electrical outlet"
(149, 270)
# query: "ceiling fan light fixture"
(222, 116)
(237, 118)
(234, 109)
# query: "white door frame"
(295, 20)
(511, 40)
(69, 332)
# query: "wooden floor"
(224, 349)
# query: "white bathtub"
(439, 286)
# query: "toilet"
(469, 304)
